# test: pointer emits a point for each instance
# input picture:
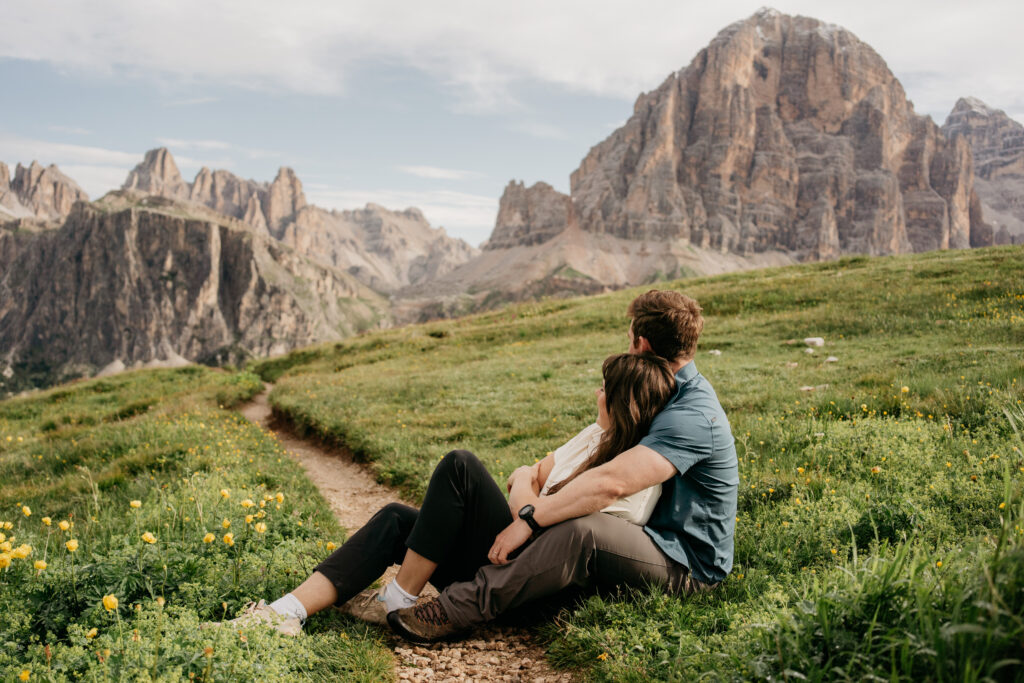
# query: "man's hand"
(513, 536)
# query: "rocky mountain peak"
(784, 133)
(285, 199)
(997, 145)
(159, 175)
(529, 215)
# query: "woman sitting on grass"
(450, 536)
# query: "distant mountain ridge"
(37, 192)
(384, 249)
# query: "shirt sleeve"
(681, 436)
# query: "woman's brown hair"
(636, 387)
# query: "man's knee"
(575, 532)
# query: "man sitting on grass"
(686, 545)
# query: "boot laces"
(432, 613)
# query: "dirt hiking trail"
(493, 653)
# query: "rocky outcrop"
(784, 133)
(997, 144)
(529, 215)
(39, 192)
(384, 249)
(159, 175)
(141, 283)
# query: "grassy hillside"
(879, 530)
(73, 460)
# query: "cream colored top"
(636, 508)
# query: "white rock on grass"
(814, 341)
(831, 359)
(808, 350)
(792, 364)
(715, 352)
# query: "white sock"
(395, 597)
(289, 606)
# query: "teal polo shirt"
(695, 518)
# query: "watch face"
(526, 511)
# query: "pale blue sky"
(396, 104)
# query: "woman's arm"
(526, 483)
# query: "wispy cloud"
(72, 130)
(539, 129)
(437, 173)
(194, 144)
(466, 215)
(191, 102)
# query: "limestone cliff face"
(784, 133)
(997, 144)
(139, 283)
(384, 249)
(38, 192)
(529, 215)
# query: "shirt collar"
(687, 373)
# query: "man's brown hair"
(671, 322)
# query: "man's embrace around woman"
(646, 495)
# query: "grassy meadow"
(879, 531)
(147, 488)
(880, 512)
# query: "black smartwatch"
(526, 514)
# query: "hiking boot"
(368, 606)
(426, 622)
(256, 613)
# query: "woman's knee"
(459, 460)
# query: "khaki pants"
(599, 549)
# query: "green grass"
(904, 455)
(77, 455)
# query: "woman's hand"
(513, 536)
(525, 471)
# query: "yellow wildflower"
(21, 552)
(905, 389)
(47, 521)
(2, 538)
(40, 565)
(110, 602)
(248, 519)
(224, 493)
(8, 525)
(135, 504)
(209, 538)
(149, 538)
(226, 523)
(330, 546)
(92, 633)
(6, 546)
(64, 525)
(260, 527)
(603, 656)
(247, 503)
(25, 510)
(160, 601)
(876, 469)
(229, 539)
(834, 551)
(279, 497)
(24, 675)
(71, 545)
(5, 560)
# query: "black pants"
(463, 511)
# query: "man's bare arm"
(629, 472)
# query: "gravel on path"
(491, 653)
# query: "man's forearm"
(590, 492)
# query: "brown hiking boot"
(368, 606)
(426, 622)
(256, 613)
